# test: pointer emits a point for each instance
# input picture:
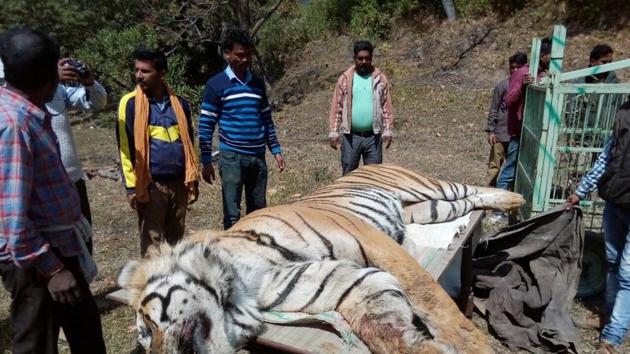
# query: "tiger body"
(336, 249)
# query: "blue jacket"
(166, 149)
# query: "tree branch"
(264, 19)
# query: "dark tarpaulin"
(529, 274)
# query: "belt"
(363, 134)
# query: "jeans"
(508, 173)
(617, 295)
(237, 171)
(354, 146)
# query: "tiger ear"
(128, 276)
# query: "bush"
(109, 53)
(368, 20)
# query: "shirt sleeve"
(83, 98)
(590, 180)
(126, 143)
(336, 109)
(493, 114)
(270, 129)
(19, 239)
(388, 112)
(208, 118)
(515, 87)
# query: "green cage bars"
(565, 126)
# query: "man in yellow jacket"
(158, 163)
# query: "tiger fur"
(336, 249)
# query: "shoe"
(605, 347)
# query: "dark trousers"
(85, 206)
(36, 318)
(163, 217)
(83, 197)
(238, 171)
(354, 146)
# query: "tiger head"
(190, 300)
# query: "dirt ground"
(440, 105)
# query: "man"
(41, 255)
(600, 54)
(515, 101)
(611, 176)
(80, 93)
(361, 118)
(496, 127)
(155, 139)
(236, 100)
(591, 104)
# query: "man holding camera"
(76, 91)
(43, 260)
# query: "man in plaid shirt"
(610, 176)
(39, 249)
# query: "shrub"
(368, 20)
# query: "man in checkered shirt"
(40, 252)
(611, 176)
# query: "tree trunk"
(449, 8)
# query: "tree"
(449, 9)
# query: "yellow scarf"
(141, 134)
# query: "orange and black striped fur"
(336, 249)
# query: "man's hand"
(387, 141)
(66, 71)
(334, 142)
(279, 161)
(131, 199)
(63, 288)
(572, 201)
(193, 193)
(207, 173)
(492, 138)
(528, 79)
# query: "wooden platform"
(444, 265)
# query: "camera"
(82, 69)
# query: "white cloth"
(437, 235)
(78, 98)
(83, 231)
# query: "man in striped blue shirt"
(237, 101)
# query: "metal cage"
(565, 126)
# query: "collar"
(12, 98)
(163, 104)
(231, 76)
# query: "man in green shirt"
(361, 119)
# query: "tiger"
(342, 248)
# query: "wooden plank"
(314, 338)
(122, 296)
